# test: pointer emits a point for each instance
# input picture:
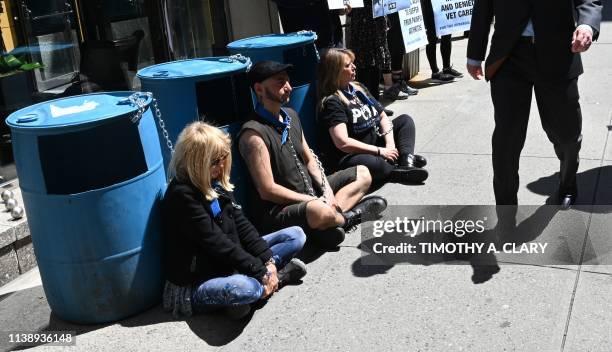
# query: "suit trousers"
(557, 101)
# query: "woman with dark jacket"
(355, 129)
(215, 259)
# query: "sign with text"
(385, 7)
(413, 27)
(339, 4)
(452, 16)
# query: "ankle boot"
(368, 207)
(411, 160)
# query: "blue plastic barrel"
(295, 48)
(92, 181)
(214, 90)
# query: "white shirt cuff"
(587, 27)
(473, 62)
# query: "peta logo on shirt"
(363, 112)
(363, 117)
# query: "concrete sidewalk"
(343, 305)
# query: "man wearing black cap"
(293, 188)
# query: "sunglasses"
(220, 159)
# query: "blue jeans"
(240, 289)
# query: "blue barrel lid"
(209, 67)
(286, 40)
(74, 111)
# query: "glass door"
(50, 31)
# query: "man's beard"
(275, 98)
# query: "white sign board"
(452, 16)
(413, 27)
(385, 7)
(339, 4)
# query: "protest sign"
(339, 4)
(385, 7)
(413, 27)
(452, 16)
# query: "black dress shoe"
(419, 161)
(388, 112)
(368, 207)
(411, 160)
(408, 175)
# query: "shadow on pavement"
(28, 311)
(599, 176)
(485, 265)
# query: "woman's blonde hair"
(199, 145)
(329, 70)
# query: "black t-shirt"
(361, 117)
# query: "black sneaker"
(451, 71)
(441, 77)
(291, 273)
(408, 89)
(394, 93)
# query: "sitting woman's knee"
(404, 120)
(243, 290)
(297, 234)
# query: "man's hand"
(582, 39)
(475, 71)
(390, 154)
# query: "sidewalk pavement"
(343, 305)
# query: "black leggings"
(432, 39)
(395, 40)
(403, 134)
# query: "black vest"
(283, 163)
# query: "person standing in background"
(313, 15)
(536, 46)
(448, 73)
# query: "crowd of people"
(218, 260)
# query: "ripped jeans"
(240, 289)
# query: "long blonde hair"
(198, 146)
(329, 71)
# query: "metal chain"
(298, 163)
(162, 127)
(139, 100)
(240, 58)
(377, 129)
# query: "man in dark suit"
(535, 47)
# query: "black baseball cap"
(266, 69)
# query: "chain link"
(162, 127)
(139, 100)
(298, 163)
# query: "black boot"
(368, 207)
